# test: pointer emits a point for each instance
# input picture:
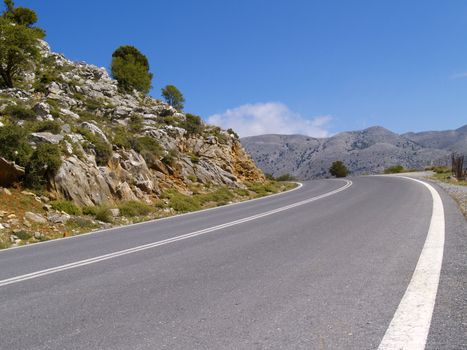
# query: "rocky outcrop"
(10, 172)
(100, 129)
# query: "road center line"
(97, 259)
(411, 323)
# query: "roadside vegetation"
(444, 174)
(338, 169)
(19, 230)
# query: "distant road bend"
(366, 263)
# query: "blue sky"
(297, 66)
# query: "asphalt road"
(284, 272)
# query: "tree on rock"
(173, 97)
(338, 169)
(131, 69)
(18, 42)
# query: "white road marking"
(76, 264)
(410, 325)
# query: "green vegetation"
(14, 145)
(18, 47)
(232, 132)
(66, 206)
(23, 235)
(183, 203)
(102, 149)
(19, 112)
(135, 208)
(148, 147)
(43, 164)
(192, 124)
(395, 169)
(170, 157)
(131, 69)
(52, 126)
(173, 97)
(338, 169)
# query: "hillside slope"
(117, 146)
(366, 151)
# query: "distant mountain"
(367, 151)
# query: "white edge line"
(79, 263)
(300, 185)
(410, 325)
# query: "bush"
(134, 208)
(43, 165)
(121, 138)
(14, 145)
(136, 123)
(183, 203)
(192, 124)
(102, 149)
(148, 147)
(232, 132)
(131, 69)
(19, 112)
(396, 169)
(338, 169)
(47, 125)
(170, 157)
(220, 196)
(23, 235)
(66, 206)
(286, 177)
(104, 214)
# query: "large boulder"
(10, 172)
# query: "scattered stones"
(14, 239)
(2, 227)
(58, 218)
(27, 223)
(35, 217)
(38, 235)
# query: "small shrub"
(286, 177)
(101, 148)
(66, 206)
(121, 138)
(440, 169)
(220, 196)
(14, 144)
(148, 147)
(192, 124)
(90, 210)
(104, 214)
(194, 158)
(134, 208)
(23, 235)
(43, 165)
(136, 123)
(20, 112)
(232, 132)
(192, 178)
(80, 223)
(396, 169)
(47, 125)
(170, 157)
(183, 203)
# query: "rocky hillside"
(114, 146)
(366, 151)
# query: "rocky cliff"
(365, 151)
(118, 146)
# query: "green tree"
(18, 49)
(131, 69)
(338, 169)
(173, 97)
(192, 124)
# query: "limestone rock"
(35, 217)
(9, 172)
(46, 137)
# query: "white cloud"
(269, 118)
(459, 76)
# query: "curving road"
(326, 266)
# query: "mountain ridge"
(369, 150)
